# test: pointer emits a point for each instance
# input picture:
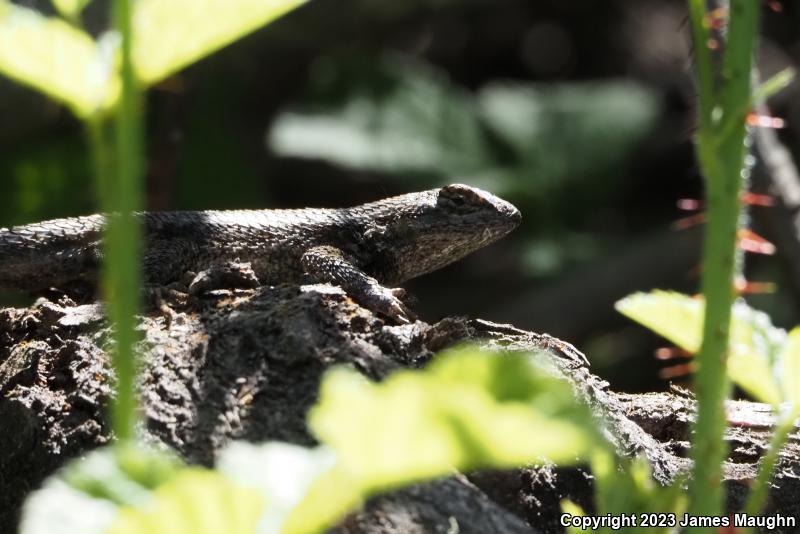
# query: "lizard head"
(422, 232)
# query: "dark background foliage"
(579, 112)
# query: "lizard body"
(363, 249)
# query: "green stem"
(721, 161)
(122, 198)
(102, 157)
(760, 489)
(705, 72)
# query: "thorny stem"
(121, 195)
(722, 164)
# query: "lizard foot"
(387, 302)
(225, 276)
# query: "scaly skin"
(363, 249)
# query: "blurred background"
(579, 112)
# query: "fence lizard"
(366, 249)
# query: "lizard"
(366, 249)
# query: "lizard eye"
(459, 195)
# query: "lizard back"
(392, 240)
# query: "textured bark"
(246, 364)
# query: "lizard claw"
(385, 302)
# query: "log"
(246, 364)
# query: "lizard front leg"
(331, 265)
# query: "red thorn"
(750, 241)
(765, 121)
(672, 353)
(744, 287)
(716, 18)
(689, 204)
(775, 6)
(688, 222)
(754, 199)
(676, 371)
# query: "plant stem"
(122, 198)
(760, 489)
(722, 164)
(102, 157)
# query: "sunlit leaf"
(84, 497)
(281, 472)
(755, 345)
(674, 316)
(390, 114)
(122, 477)
(70, 9)
(196, 501)
(171, 34)
(57, 59)
(625, 489)
(559, 131)
(59, 508)
(571, 508)
(754, 342)
(467, 410)
(789, 359)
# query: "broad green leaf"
(755, 346)
(390, 114)
(171, 34)
(85, 496)
(57, 59)
(70, 9)
(754, 343)
(281, 472)
(558, 132)
(625, 489)
(467, 410)
(59, 508)
(571, 508)
(196, 501)
(677, 317)
(790, 369)
(328, 500)
(121, 476)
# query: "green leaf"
(789, 362)
(85, 496)
(671, 315)
(384, 114)
(196, 501)
(467, 410)
(122, 475)
(57, 59)
(557, 132)
(626, 487)
(390, 114)
(754, 346)
(283, 473)
(171, 34)
(59, 508)
(70, 9)
(571, 508)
